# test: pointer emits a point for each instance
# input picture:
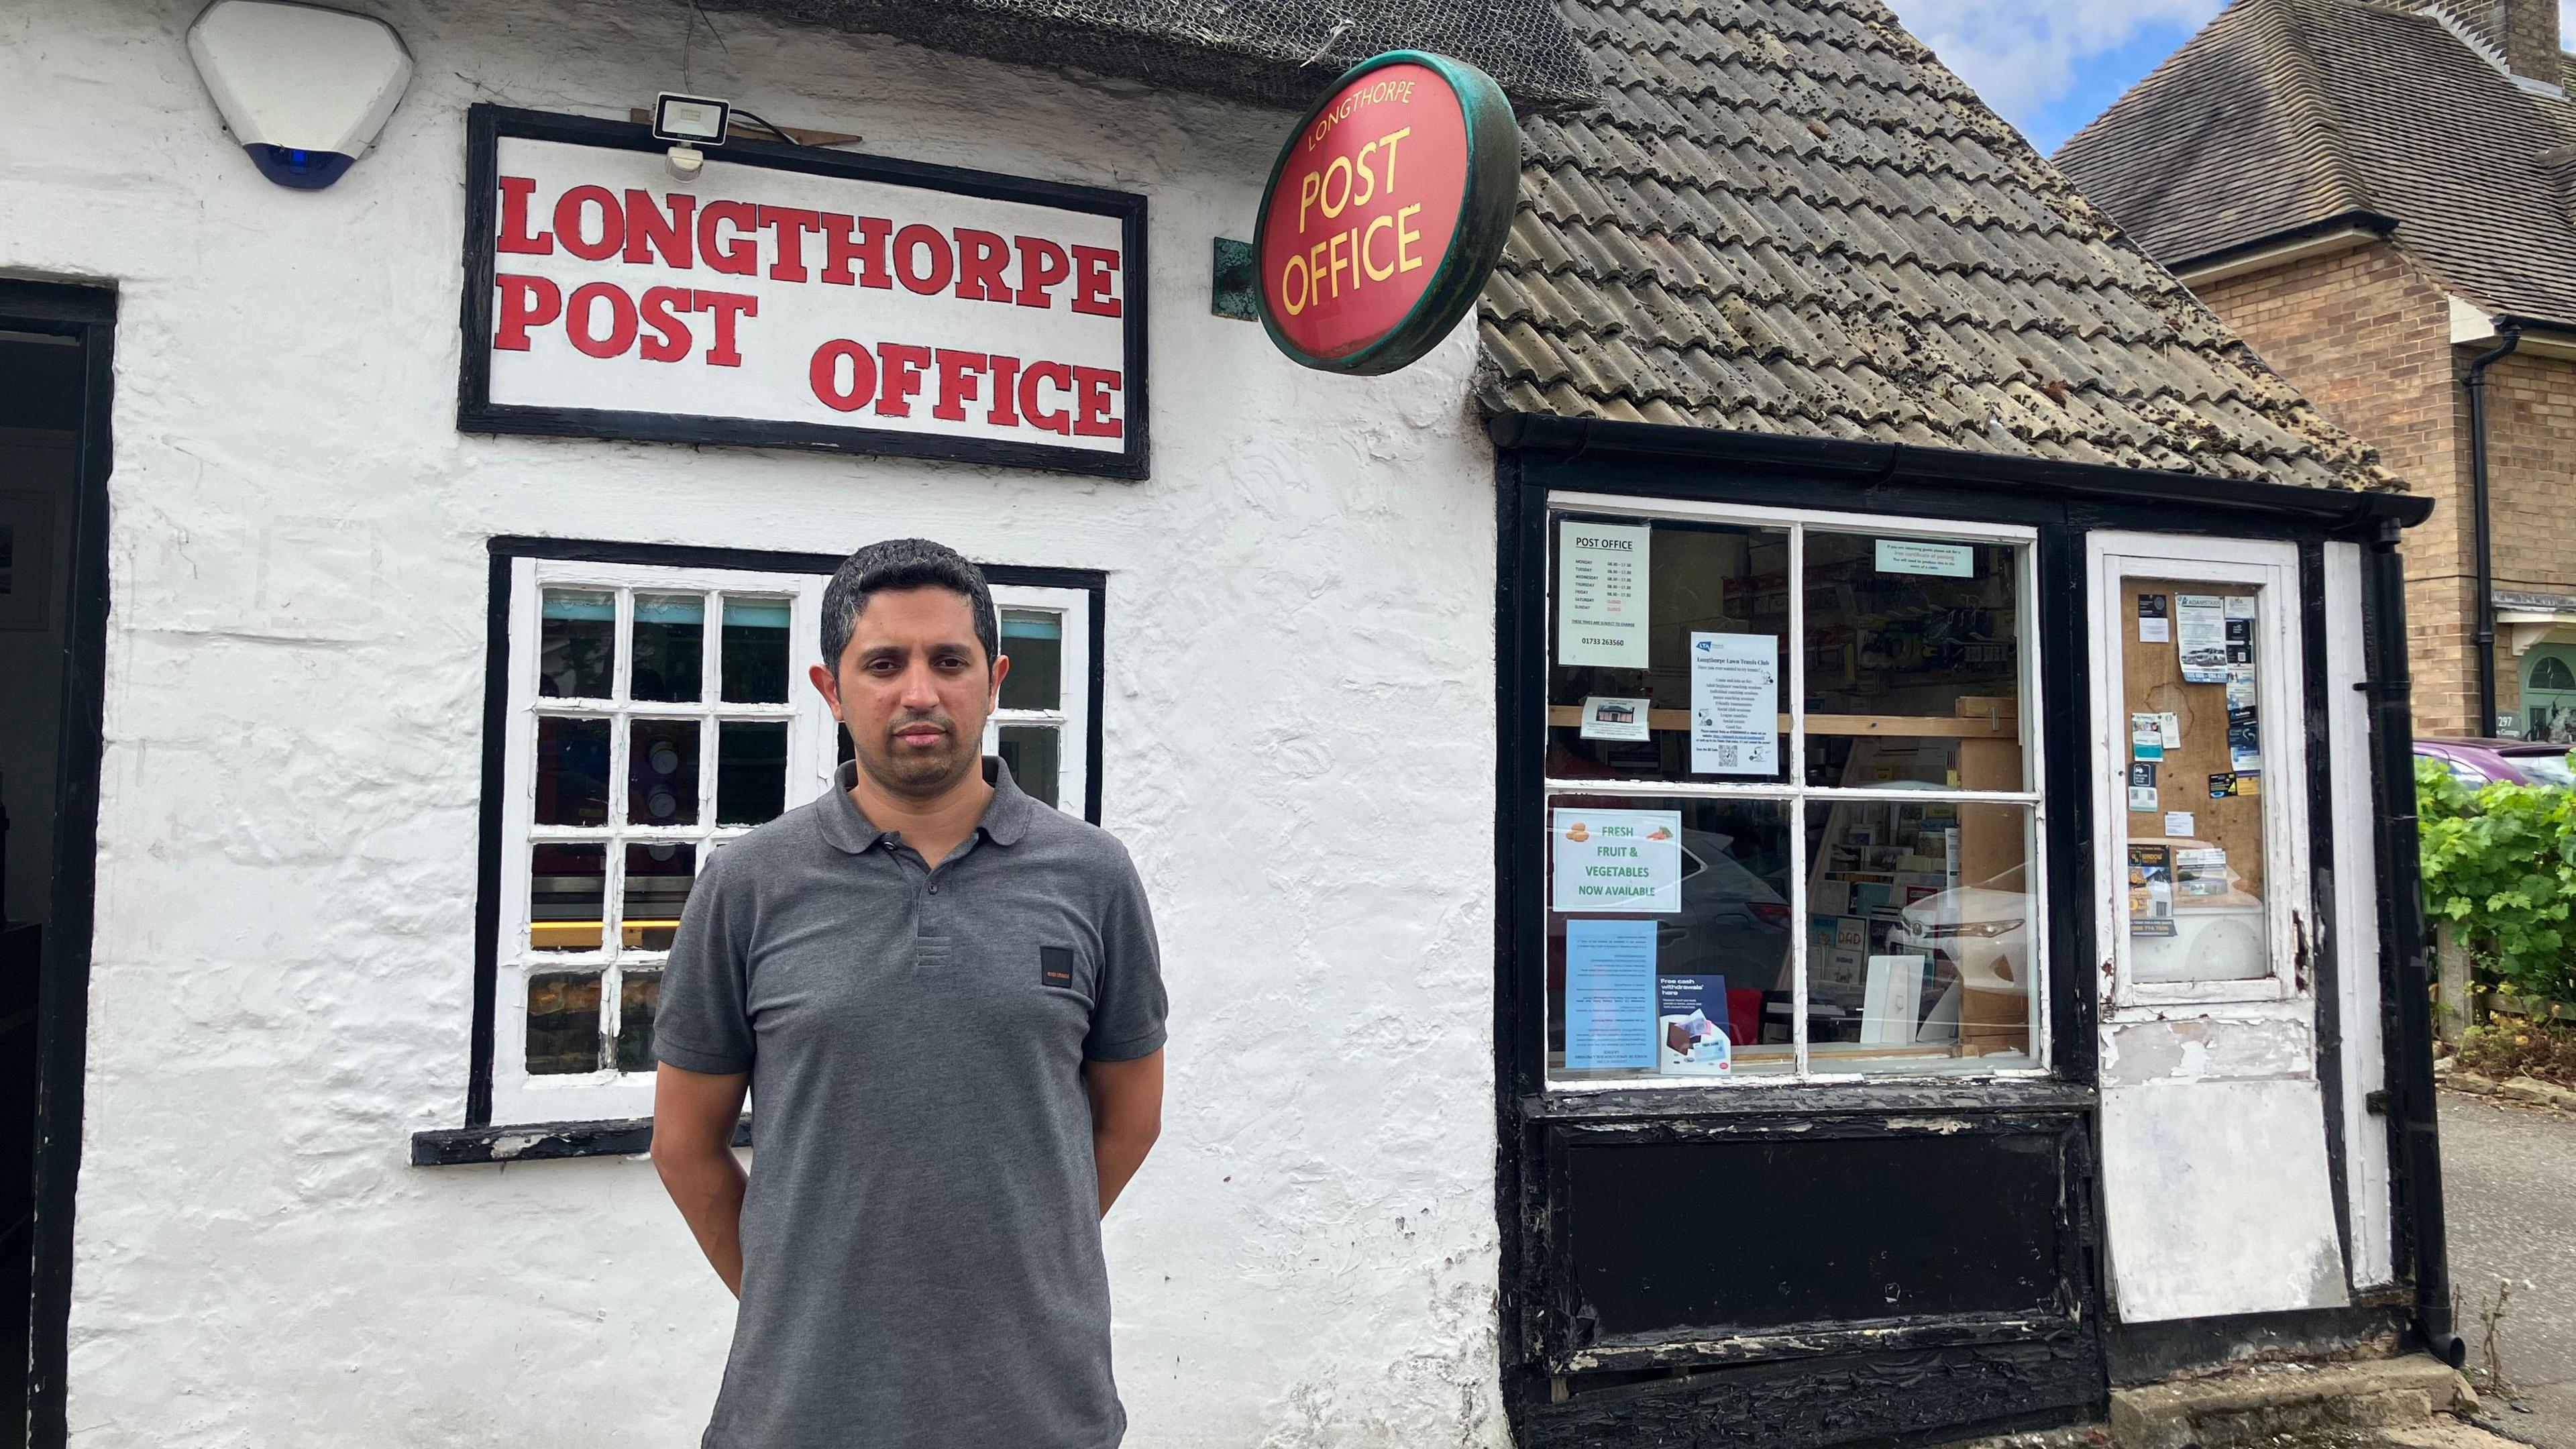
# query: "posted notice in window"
(1601, 594)
(1618, 860)
(1735, 704)
(1609, 994)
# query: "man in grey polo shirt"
(945, 1002)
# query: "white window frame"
(1796, 793)
(2272, 570)
(1072, 715)
(517, 1095)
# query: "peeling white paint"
(1299, 652)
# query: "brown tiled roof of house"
(2290, 114)
(1789, 218)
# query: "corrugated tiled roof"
(2282, 114)
(1264, 52)
(1788, 217)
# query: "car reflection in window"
(1974, 934)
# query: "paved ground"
(2509, 1181)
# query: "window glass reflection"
(658, 876)
(572, 771)
(563, 1022)
(669, 652)
(1920, 936)
(662, 772)
(1031, 752)
(1620, 697)
(1913, 665)
(639, 997)
(1034, 640)
(751, 771)
(755, 650)
(567, 896)
(576, 644)
(1638, 993)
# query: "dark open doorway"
(54, 382)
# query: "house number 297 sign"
(793, 297)
(1386, 212)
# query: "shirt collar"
(847, 828)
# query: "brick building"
(2378, 195)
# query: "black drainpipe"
(2419, 1157)
(2482, 638)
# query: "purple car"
(2483, 762)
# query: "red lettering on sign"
(649, 232)
(568, 223)
(1091, 387)
(982, 258)
(825, 375)
(957, 385)
(515, 236)
(578, 314)
(739, 255)
(670, 339)
(1058, 420)
(727, 306)
(899, 366)
(788, 225)
(867, 248)
(916, 240)
(1006, 372)
(525, 302)
(1096, 268)
(1042, 265)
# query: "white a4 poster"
(1617, 860)
(1601, 594)
(1735, 704)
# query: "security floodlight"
(303, 89)
(691, 120)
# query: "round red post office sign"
(1386, 212)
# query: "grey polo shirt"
(921, 1239)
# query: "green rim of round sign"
(1484, 218)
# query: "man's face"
(914, 688)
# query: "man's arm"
(1126, 1117)
(694, 1115)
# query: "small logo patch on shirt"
(1055, 966)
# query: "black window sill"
(540, 1141)
(1890, 1096)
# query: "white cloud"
(2022, 54)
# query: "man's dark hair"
(904, 563)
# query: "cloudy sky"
(2052, 65)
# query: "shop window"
(1791, 806)
(655, 714)
(2549, 694)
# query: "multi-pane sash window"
(656, 714)
(1791, 804)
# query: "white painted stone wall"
(1300, 744)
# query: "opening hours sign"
(792, 297)
(1386, 212)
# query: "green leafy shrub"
(2500, 868)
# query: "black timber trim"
(490, 842)
(2379, 224)
(88, 315)
(1940, 482)
(486, 124)
(2138, 1353)
(2321, 971)
(539, 1141)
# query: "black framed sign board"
(795, 297)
